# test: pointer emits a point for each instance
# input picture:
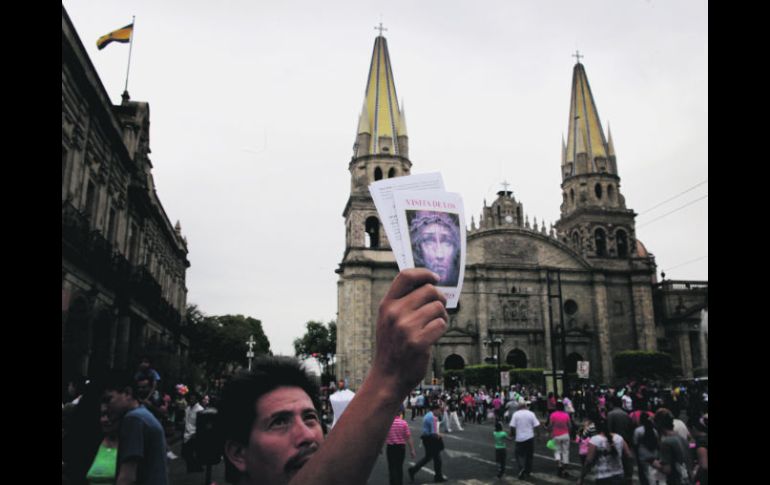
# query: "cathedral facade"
(533, 297)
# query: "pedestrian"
(455, 420)
(142, 444)
(398, 437)
(189, 438)
(560, 424)
(433, 444)
(674, 462)
(619, 422)
(605, 450)
(646, 448)
(701, 434)
(105, 465)
(500, 437)
(583, 438)
(523, 424)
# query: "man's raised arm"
(412, 317)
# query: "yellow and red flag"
(123, 35)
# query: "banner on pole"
(583, 369)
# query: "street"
(469, 458)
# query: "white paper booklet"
(432, 226)
(382, 194)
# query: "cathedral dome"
(641, 250)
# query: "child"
(583, 437)
(500, 437)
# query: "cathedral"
(533, 297)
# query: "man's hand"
(412, 318)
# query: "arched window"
(377, 173)
(517, 358)
(601, 242)
(598, 190)
(392, 173)
(622, 241)
(611, 193)
(572, 195)
(454, 362)
(373, 231)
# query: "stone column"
(549, 364)
(482, 315)
(601, 317)
(644, 318)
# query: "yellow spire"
(585, 130)
(363, 122)
(610, 145)
(381, 103)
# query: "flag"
(123, 35)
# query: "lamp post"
(496, 343)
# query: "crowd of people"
(616, 430)
(270, 429)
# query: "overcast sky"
(254, 107)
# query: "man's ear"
(236, 453)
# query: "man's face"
(284, 436)
(439, 249)
(117, 404)
(108, 425)
(143, 388)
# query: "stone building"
(581, 290)
(681, 311)
(123, 262)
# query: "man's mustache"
(297, 461)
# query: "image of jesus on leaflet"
(435, 238)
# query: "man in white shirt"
(188, 438)
(628, 403)
(523, 424)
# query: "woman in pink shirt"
(398, 437)
(560, 425)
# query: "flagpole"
(130, 48)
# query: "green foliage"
(218, 343)
(483, 375)
(454, 377)
(527, 377)
(640, 364)
(319, 341)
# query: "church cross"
(380, 28)
(577, 56)
(505, 185)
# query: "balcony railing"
(95, 254)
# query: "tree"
(218, 343)
(640, 364)
(319, 342)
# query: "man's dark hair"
(664, 419)
(238, 406)
(119, 380)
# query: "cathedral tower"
(381, 150)
(594, 219)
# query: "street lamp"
(495, 342)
